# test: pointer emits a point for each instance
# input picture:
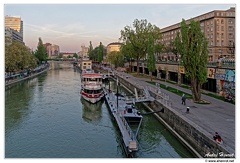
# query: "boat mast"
(117, 93)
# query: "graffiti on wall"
(226, 84)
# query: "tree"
(18, 57)
(75, 55)
(100, 52)
(128, 53)
(90, 50)
(192, 46)
(94, 54)
(138, 35)
(60, 55)
(116, 58)
(41, 52)
(151, 60)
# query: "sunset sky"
(72, 25)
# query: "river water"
(46, 117)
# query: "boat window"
(129, 110)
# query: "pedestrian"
(184, 99)
(215, 136)
(218, 138)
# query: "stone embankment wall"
(198, 140)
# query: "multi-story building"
(14, 28)
(52, 50)
(219, 29)
(67, 54)
(114, 46)
(84, 52)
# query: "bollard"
(187, 109)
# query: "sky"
(72, 25)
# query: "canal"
(46, 117)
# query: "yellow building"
(14, 27)
(114, 46)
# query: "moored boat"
(91, 86)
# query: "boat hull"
(92, 98)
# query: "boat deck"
(119, 113)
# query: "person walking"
(184, 99)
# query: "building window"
(217, 21)
(222, 21)
(230, 21)
(217, 28)
(222, 28)
(230, 28)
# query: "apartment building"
(52, 50)
(14, 28)
(219, 29)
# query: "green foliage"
(41, 52)
(94, 54)
(60, 55)
(192, 46)
(138, 36)
(100, 52)
(151, 61)
(75, 55)
(116, 58)
(18, 57)
(90, 51)
(128, 52)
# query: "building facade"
(14, 28)
(84, 52)
(67, 54)
(114, 46)
(219, 29)
(52, 50)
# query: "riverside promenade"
(37, 72)
(218, 116)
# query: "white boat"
(91, 86)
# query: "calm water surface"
(46, 117)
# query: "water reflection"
(91, 112)
(17, 100)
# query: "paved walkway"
(13, 81)
(218, 116)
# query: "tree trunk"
(196, 90)
(137, 65)
(151, 75)
(130, 66)
(143, 68)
